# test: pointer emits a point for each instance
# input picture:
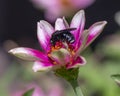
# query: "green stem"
(76, 88)
(71, 76)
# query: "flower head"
(62, 44)
(57, 8)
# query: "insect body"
(62, 36)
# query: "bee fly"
(63, 36)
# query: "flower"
(37, 91)
(63, 53)
(56, 8)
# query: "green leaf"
(116, 78)
(29, 92)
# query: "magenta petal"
(44, 32)
(42, 66)
(61, 24)
(94, 31)
(28, 54)
(80, 61)
(78, 22)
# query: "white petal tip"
(103, 23)
(84, 61)
(81, 12)
(13, 51)
(10, 51)
(61, 24)
(42, 21)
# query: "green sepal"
(67, 74)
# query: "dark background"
(18, 19)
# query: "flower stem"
(76, 88)
(71, 76)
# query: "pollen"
(71, 49)
(65, 45)
(50, 57)
(57, 46)
(72, 52)
(54, 63)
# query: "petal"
(44, 32)
(82, 3)
(82, 42)
(42, 66)
(61, 24)
(94, 31)
(44, 4)
(61, 56)
(56, 90)
(78, 22)
(28, 54)
(38, 92)
(65, 22)
(80, 61)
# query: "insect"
(63, 36)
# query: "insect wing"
(69, 29)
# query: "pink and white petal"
(78, 22)
(82, 42)
(28, 54)
(42, 66)
(94, 31)
(44, 32)
(61, 24)
(80, 61)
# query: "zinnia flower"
(37, 91)
(57, 8)
(67, 46)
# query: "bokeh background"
(18, 20)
